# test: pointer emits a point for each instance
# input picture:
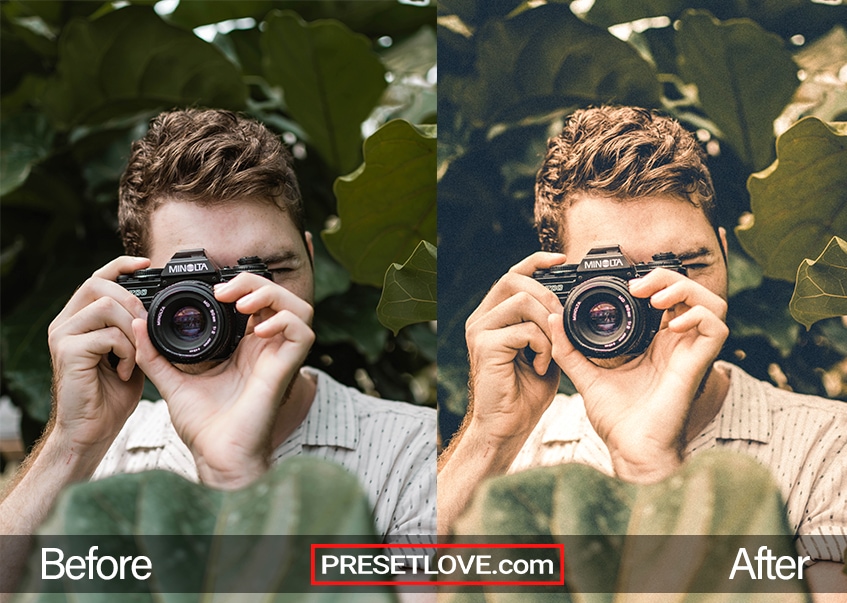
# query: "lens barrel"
(603, 320)
(188, 325)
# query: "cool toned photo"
(250, 365)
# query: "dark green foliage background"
(509, 73)
(80, 80)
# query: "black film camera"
(602, 319)
(185, 321)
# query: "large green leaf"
(27, 139)
(544, 60)
(409, 293)
(630, 539)
(262, 532)
(821, 289)
(373, 18)
(387, 206)
(331, 80)
(129, 60)
(800, 201)
(744, 76)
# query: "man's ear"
(722, 236)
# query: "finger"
(160, 371)
(537, 261)
(520, 307)
(252, 293)
(511, 284)
(275, 298)
(579, 369)
(124, 350)
(101, 313)
(667, 288)
(281, 324)
(519, 276)
(96, 288)
(94, 347)
(511, 341)
(703, 320)
(273, 372)
(125, 264)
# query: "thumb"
(161, 372)
(579, 369)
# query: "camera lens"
(603, 320)
(188, 325)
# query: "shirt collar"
(332, 419)
(745, 414)
(566, 421)
(153, 429)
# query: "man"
(628, 177)
(218, 181)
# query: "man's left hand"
(226, 414)
(641, 408)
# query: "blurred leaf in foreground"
(250, 539)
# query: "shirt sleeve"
(822, 533)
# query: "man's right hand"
(93, 400)
(512, 382)
(511, 386)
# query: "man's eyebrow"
(277, 258)
(694, 254)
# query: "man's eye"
(695, 266)
(282, 270)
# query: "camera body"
(185, 322)
(602, 319)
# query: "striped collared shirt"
(800, 439)
(389, 446)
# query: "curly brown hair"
(205, 156)
(621, 153)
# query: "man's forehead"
(642, 227)
(227, 231)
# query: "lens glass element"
(604, 318)
(188, 323)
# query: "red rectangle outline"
(560, 582)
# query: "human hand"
(92, 399)
(510, 389)
(226, 414)
(640, 407)
(512, 382)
